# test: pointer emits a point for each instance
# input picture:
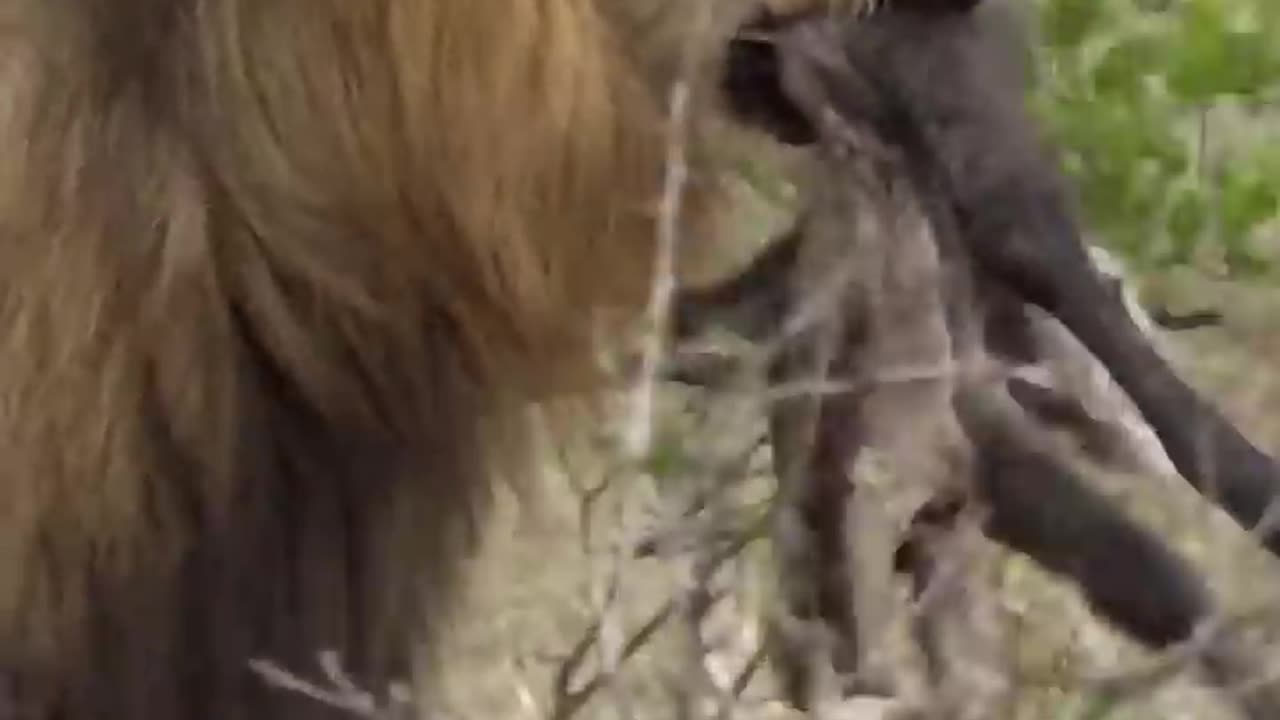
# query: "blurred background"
(642, 590)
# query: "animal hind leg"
(1037, 505)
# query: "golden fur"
(273, 276)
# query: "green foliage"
(1165, 110)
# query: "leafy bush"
(1163, 109)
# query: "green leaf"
(1248, 199)
(1125, 65)
(1214, 59)
(1066, 23)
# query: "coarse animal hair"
(277, 277)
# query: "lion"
(278, 279)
